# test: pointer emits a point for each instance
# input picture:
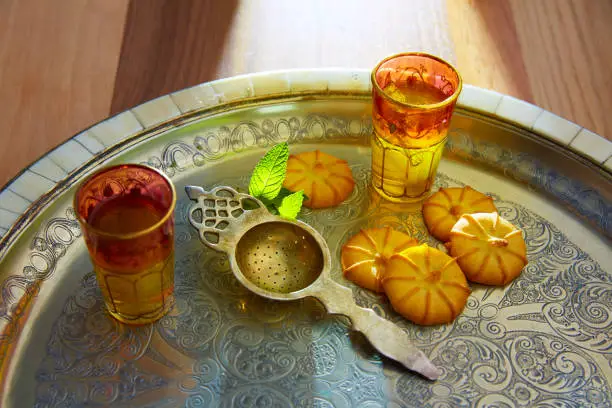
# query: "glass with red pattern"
(126, 214)
(414, 95)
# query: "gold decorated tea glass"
(126, 213)
(414, 95)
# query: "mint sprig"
(291, 205)
(267, 183)
(269, 174)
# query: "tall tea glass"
(126, 213)
(414, 95)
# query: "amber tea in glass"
(127, 217)
(414, 95)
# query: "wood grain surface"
(67, 64)
(57, 73)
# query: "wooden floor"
(67, 64)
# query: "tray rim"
(161, 114)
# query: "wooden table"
(67, 64)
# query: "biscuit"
(326, 180)
(425, 285)
(364, 256)
(489, 249)
(443, 208)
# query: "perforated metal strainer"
(286, 260)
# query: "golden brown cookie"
(365, 255)
(425, 285)
(443, 208)
(325, 179)
(489, 249)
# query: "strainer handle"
(225, 213)
(388, 338)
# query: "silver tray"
(545, 340)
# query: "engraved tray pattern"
(542, 341)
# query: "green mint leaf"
(269, 174)
(291, 205)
